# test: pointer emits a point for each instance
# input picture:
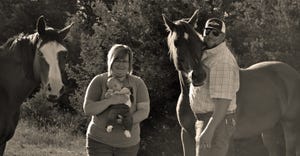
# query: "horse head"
(50, 58)
(186, 48)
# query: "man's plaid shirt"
(222, 80)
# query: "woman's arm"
(124, 90)
(109, 93)
(142, 112)
(143, 103)
(93, 104)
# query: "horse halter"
(48, 67)
(198, 73)
(195, 71)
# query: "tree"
(265, 30)
(21, 15)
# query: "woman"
(99, 141)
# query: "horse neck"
(28, 55)
(195, 57)
(17, 64)
(16, 85)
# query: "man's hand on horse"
(206, 138)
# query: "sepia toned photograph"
(150, 78)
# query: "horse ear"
(63, 32)
(41, 25)
(168, 23)
(193, 20)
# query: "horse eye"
(176, 43)
(63, 54)
(40, 54)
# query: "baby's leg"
(127, 123)
(111, 117)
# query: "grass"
(32, 141)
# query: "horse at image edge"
(26, 61)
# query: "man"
(215, 101)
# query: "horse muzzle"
(54, 95)
(197, 78)
(52, 98)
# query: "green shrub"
(42, 113)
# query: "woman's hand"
(118, 98)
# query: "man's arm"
(221, 106)
(222, 91)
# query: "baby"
(119, 113)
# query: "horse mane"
(21, 48)
(7, 43)
(184, 32)
(182, 28)
(18, 41)
(22, 40)
(170, 41)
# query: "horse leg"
(2, 148)
(298, 142)
(292, 137)
(188, 143)
(290, 134)
(273, 140)
(7, 128)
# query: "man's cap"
(215, 23)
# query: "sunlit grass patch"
(32, 141)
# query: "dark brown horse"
(268, 99)
(26, 61)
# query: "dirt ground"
(247, 147)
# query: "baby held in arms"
(119, 114)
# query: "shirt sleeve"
(142, 94)
(223, 81)
(94, 89)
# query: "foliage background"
(258, 30)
